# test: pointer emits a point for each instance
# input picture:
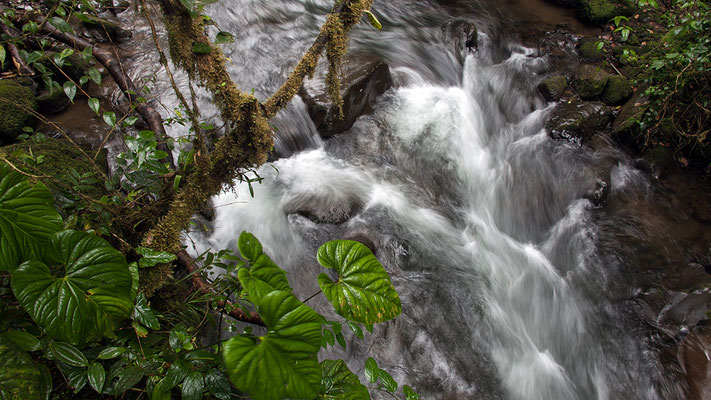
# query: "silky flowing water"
(481, 219)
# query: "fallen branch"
(150, 115)
(187, 262)
(22, 67)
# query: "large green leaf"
(283, 363)
(91, 297)
(339, 383)
(20, 378)
(263, 275)
(27, 219)
(363, 292)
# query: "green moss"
(17, 104)
(57, 157)
(617, 91)
(596, 12)
(589, 51)
(590, 81)
(553, 88)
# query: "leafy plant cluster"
(675, 71)
(72, 311)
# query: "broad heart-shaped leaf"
(339, 383)
(19, 376)
(27, 219)
(89, 300)
(363, 292)
(262, 277)
(283, 363)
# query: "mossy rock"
(58, 157)
(617, 91)
(596, 12)
(17, 103)
(553, 88)
(590, 81)
(589, 51)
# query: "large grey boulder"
(365, 77)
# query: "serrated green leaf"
(60, 24)
(373, 20)
(89, 300)
(339, 383)
(152, 257)
(70, 89)
(128, 121)
(193, 386)
(224, 37)
(111, 352)
(329, 337)
(283, 363)
(19, 376)
(27, 219)
(356, 329)
(371, 370)
(409, 393)
(176, 373)
(387, 380)
(363, 292)
(69, 354)
(24, 340)
(97, 376)
(218, 384)
(95, 75)
(341, 340)
(249, 246)
(110, 118)
(201, 48)
(128, 376)
(94, 104)
(143, 313)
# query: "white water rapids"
(478, 216)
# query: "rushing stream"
(481, 219)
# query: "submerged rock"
(589, 81)
(577, 122)
(365, 77)
(104, 30)
(463, 35)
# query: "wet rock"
(18, 103)
(694, 356)
(686, 309)
(617, 91)
(631, 111)
(577, 122)
(598, 195)
(587, 49)
(589, 81)
(462, 34)
(365, 77)
(326, 209)
(553, 88)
